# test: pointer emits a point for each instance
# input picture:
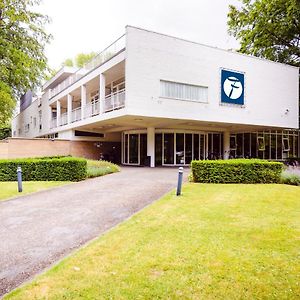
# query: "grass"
(213, 242)
(9, 189)
(97, 168)
(290, 177)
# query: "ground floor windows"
(134, 148)
(180, 148)
(271, 145)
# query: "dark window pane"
(158, 149)
(169, 148)
(188, 148)
(143, 148)
(179, 148)
(133, 148)
(196, 146)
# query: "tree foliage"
(268, 29)
(80, 60)
(22, 59)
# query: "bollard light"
(179, 183)
(19, 176)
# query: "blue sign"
(232, 87)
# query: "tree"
(80, 60)
(22, 59)
(268, 29)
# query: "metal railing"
(64, 119)
(99, 59)
(114, 101)
(53, 123)
(92, 109)
(76, 114)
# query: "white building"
(166, 101)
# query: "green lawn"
(9, 189)
(214, 242)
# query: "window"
(286, 144)
(183, 91)
(261, 143)
(26, 127)
(34, 122)
(233, 143)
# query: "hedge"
(236, 171)
(44, 169)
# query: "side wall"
(270, 88)
(21, 148)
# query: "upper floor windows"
(182, 91)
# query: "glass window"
(279, 145)
(126, 149)
(239, 144)
(143, 149)
(261, 143)
(202, 147)
(133, 148)
(179, 148)
(267, 145)
(183, 91)
(233, 142)
(188, 148)
(253, 145)
(247, 145)
(158, 149)
(169, 148)
(196, 146)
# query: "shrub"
(97, 168)
(43, 169)
(236, 171)
(290, 178)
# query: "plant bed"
(44, 169)
(236, 171)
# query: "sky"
(91, 25)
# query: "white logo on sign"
(233, 87)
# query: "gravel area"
(39, 229)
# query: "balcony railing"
(53, 123)
(92, 109)
(76, 114)
(64, 119)
(114, 101)
(102, 57)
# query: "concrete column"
(226, 144)
(151, 145)
(69, 108)
(102, 93)
(58, 113)
(83, 101)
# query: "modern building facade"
(157, 100)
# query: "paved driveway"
(37, 230)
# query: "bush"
(236, 171)
(290, 178)
(43, 169)
(97, 168)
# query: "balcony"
(98, 60)
(76, 114)
(114, 101)
(92, 109)
(53, 123)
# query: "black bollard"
(19, 176)
(179, 184)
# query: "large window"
(183, 91)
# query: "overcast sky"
(91, 25)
